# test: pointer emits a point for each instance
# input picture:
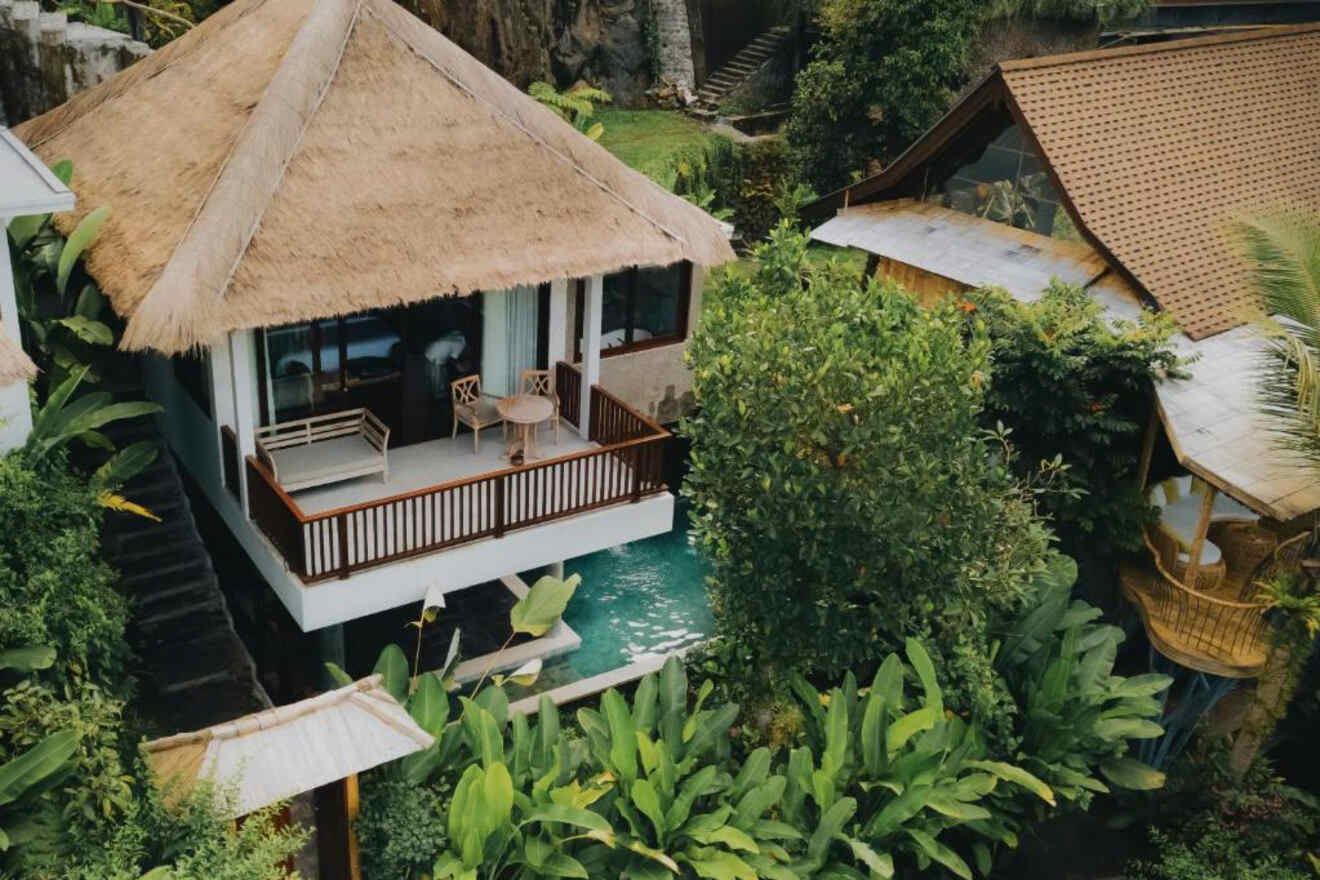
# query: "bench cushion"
(327, 461)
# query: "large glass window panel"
(616, 310)
(291, 361)
(658, 302)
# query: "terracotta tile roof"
(1160, 148)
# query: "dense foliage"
(54, 588)
(883, 71)
(1211, 826)
(842, 488)
(98, 816)
(881, 781)
(1285, 255)
(1069, 383)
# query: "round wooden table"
(526, 411)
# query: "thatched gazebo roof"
(293, 159)
(273, 755)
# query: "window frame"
(679, 335)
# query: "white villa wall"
(654, 381)
(195, 439)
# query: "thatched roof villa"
(324, 214)
(294, 159)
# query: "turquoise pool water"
(638, 600)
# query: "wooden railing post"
(639, 452)
(499, 506)
(341, 523)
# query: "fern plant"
(576, 105)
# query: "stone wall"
(560, 41)
(673, 43)
(45, 59)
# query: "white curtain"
(508, 344)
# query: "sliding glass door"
(396, 362)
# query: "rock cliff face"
(602, 41)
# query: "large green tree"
(842, 486)
(885, 70)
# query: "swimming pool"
(637, 602)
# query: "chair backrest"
(466, 391)
(538, 382)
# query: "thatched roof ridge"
(15, 365)
(294, 159)
(275, 754)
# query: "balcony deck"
(435, 463)
(442, 494)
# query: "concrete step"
(164, 639)
(167, 599)
(140, 545)
(184, 567)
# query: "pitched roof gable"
(1158, 150)
(295, 159)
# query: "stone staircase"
(193, 669)
(738, 70)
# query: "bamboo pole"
(351, 805)
(1148, 446)
(1202, 526)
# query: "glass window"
(1002, 180)
(292, 360)
(641, 307)
(615, 321)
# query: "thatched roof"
(15, 365)
(293, 159)
(273, 755)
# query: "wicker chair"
(1287, 556)
(1245, 546)
(542, 384)
(1175, 559)
(474, 408)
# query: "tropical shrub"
(402, 827)
(1224, 828)
(54, 588)
(883, 71)
(69, 330)
(1076, 715)
(65, 319)
(1071, 384)
(880, 780)
(97, 791)
(1286, 273)
(187, 840)
(843, 490)
(576, 106)
(32, 767)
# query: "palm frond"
(1285, 256)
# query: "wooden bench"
(325, 449)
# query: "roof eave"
(60, 198)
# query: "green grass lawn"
(648, 139)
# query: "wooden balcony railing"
(339, 542)
(568, 385)
(1196, 629)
